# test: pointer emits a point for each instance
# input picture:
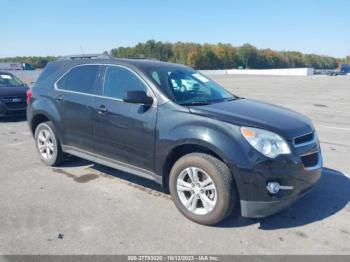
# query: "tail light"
(29, 95)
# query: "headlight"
(266, 142)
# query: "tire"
(47, 141)
(213, 205)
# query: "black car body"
(148, 137)
(12, 95)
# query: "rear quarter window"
(81, 79)
(61, 84)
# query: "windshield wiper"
(195, 103)
(229, 99)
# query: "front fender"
(184, 128)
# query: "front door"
(123, 131)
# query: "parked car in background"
(12, 95)
(26, 66)
(214, 151)
(345, 68)
(335, 73)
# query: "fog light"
(273, 187)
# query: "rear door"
(123, 131)
(74, 94)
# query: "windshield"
(9, 80)
(189, 87)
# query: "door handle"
(101, 109)
(59, 98)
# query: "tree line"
(209, 56)
(223, 56)
(35, 61)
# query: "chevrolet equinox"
(214, 151)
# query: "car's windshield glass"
(189, 87)
(9, 80)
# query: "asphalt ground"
(83, 208)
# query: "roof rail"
(138, 56)
(85, 56)
(142, 57)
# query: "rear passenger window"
(82, 79)
(119, 80)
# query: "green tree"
(247, 55)
(209, 56)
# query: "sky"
(64, 27)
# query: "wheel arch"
(37, 120)
(183, 149)
(41, 110)
(41, 117)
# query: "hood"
(13, 91)
(246, 112)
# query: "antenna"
(82, 50)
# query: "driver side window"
(118, 80)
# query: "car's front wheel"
(48, 144)
(202, 188)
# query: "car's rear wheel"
(202, 188)
(48, 144)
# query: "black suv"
(213, 150)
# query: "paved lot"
(98, 210)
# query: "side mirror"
(138, 97)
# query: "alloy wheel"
(196, 190)
(45, 144)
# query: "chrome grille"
(15, 102)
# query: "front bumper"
(259, 209)
(11, 112)
(256, 201)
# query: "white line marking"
(334, 127)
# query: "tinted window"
(81, 79)
(63, 81)
(119, 80)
